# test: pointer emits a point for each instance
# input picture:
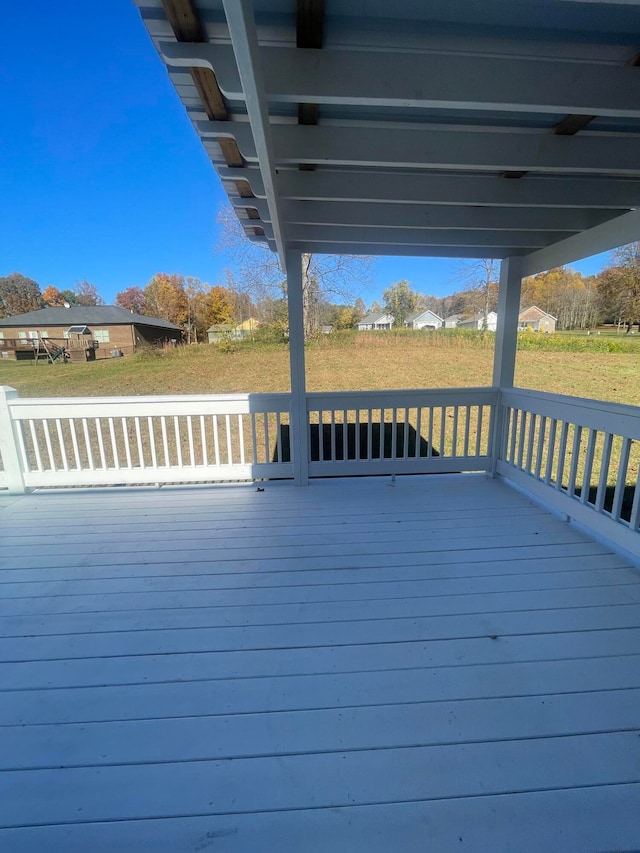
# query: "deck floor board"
(363, 665)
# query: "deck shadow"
(357, 443)
(627, 500)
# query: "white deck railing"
(400, 432)
(129, 440)
(581, 457)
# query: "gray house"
(424, 320)
(451, 322)
(376, 321)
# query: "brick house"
(87, 332)
(536, 319)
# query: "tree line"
(612, 296)
(183, 300)
(20, 294)
(577, 301)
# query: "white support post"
(504, 357)
(298, 429)
(9, 443)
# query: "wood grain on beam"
(570, 125)
(184, 20)
(187, 27)
(308, 113)
(230, 152)
(210, 94)
(309, 34)
(310, 23)
(244, 189)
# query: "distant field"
(352, 362)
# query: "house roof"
(534, 313)
(374, 317)
(86, 315)
(443, 128)
(412, 317)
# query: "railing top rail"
(515, 395)
(362, 397)
(187, 399)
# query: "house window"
(33, 335)
(44, 334)
(101, 335)
(22, 335)
(1, 336)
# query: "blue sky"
(101, 173)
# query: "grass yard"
(358, 361)
(352, 362)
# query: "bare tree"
(258, 271)
(482, 277)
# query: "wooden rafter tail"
(187, 27)
(570, 125)
(309, 34)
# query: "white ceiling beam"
(425, 81)
(242, 29)
(429, 216)
(372, 249)
(417, 188)
(603, 238)
(416, 237)
(428, 146)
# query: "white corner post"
(298, 425)
(9, 443)
(504, 357)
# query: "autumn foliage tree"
(19, 294)
(400, 301)
(53, 297)
(220, 305)
(619, 286)
(165, 298)
(131, 299)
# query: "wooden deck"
(433, 664)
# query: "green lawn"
(351, 362)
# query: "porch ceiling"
(439, 128)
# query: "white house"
(477, 321)
(376, 321)
(424, 320)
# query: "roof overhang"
(441, 128)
